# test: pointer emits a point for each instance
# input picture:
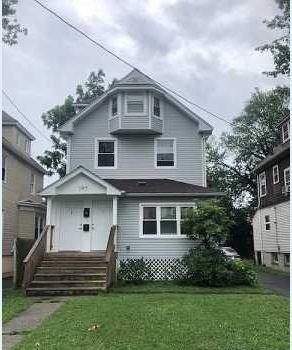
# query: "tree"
(280, 47)
(10, 27)
(231, 159)
(54, 160)
(208, 222)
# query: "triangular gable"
(80, 181)
(135, 77)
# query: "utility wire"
(72, 26)
(24, 116)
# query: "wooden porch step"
(73, 258)
(31, 291)
(70, 270)
(76, 263)
(69, 276)
(69, 254)
(67, 283)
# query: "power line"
(24, 116)
(72, 26)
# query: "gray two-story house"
(136, 161)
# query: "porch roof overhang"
(80, 181)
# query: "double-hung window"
(156, 107)
(114, 106)
(27, 146)
(286, 131)
(149, 221)
(168, 221)
(275, 174)
(287, 179)
(106, 153)
(184, 211)
(135, 103)
(262, 184)
(32, 183)
(267, 223)
(165, 153)
(4, 168)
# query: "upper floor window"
(4, 168)
(287, 179)
(275, 174)
(32, 183)
(27, 146)
(156, 106)
(267, 222)
(286, 131)
(18, 139)
(106, 153)
(135, 103)
(114, 106)
(262, 184)
(165, 153)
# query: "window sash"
(32, 184)
(114, 106)
(262, 184)
(106, 153)
(267, 223)
(135, 103)
(286, 131)
(275, 174)
(165, 153)
(287, 178)
(156, 106)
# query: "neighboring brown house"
(23, 214)
(271, 221)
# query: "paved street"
(278, 284)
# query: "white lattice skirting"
(162, 268)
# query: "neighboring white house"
(136, 159)
(271, 229)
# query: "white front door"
(70, 233)
(102, 222)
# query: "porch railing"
(36, 254)
(110, 257)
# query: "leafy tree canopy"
(54, 160)
(280, 47)
(232, 159)
(10, 27)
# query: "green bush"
(135, 271)
(208, 266)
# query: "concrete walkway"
(26, 321)
(277, 283)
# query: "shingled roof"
(161, 187)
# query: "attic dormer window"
(286, 131)
(156, 106)
(114, 106)
(135, 103)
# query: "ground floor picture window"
(163, 220)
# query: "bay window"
(135, 103)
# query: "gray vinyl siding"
(135, 122)
(136, 152)
(279, 235)
(114, 123)
(156, 124)
(128, 234)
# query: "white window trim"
(34, 180)
(285, 176)
(158, 217)
(27, 146)
(288, 127)
(97, 139)
(5, 178)
(144, 113)
(268, 223)
(119, 106)
(260, 187)
(276, 172)
(160, 105)
(155, 153)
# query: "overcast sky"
(204, 49)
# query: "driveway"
(278, 284)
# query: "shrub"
(208, 266)
(135, 271)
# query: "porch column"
(115, 216)
(48, 222)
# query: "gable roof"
(8, 120)
(21, 155)
(136, 79)
(52, 189)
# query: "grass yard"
(158, 319)
(13, 302)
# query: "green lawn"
(163, 320)
(13, 302)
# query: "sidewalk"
(278, 284)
